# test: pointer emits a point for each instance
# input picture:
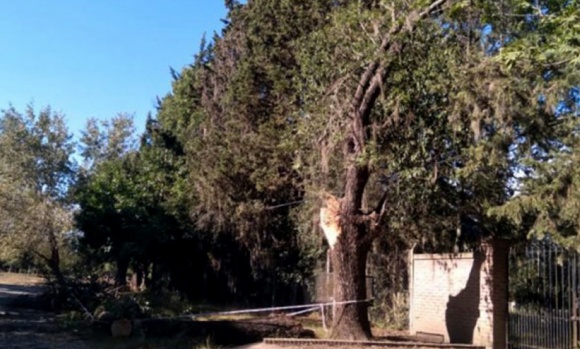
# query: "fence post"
(323, 316)
(500, 279)
(573, 281)
(410, 266)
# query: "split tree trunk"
(349, 253)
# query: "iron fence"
(543, 310)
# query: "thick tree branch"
(375, 216)
(363, 101)
(386, 43)
(41, 256)
(366, 96)
(380, 209)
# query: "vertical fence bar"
(544, 259)
(537, 306)
(560, 288)
(564, 295)
(574, 305)
(558, 280)
(550, 274)
(558, 331)
(568, 258)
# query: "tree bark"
(349, 258)
(349, 254)
(54, 264)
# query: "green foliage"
(456, 118)
(36, 171)
(546, 201)
(129, 200)
(471, 132)
(233, 111)
(107, 140)
(124, 307)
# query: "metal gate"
(543, 286)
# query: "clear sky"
(97, 58)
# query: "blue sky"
(97, 58)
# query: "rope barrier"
(262, 310)
(303, 311)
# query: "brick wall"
(462, 297)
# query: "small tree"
(36, 172)
(107, 194)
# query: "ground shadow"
(31, 297)
(7, 290)
(463, 309)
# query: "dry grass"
(20, 279)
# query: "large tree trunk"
(53, 261)
(349, 258)
(54, 265)
(349, 255)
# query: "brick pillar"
(500, 292)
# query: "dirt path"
(22, 328)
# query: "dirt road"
(22, 328)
